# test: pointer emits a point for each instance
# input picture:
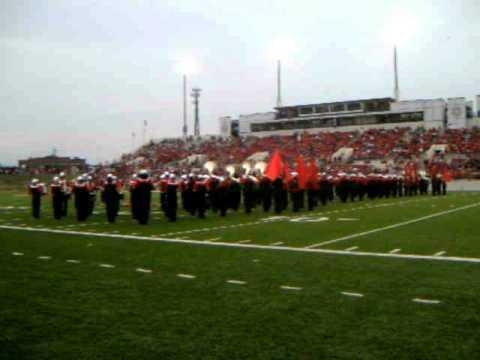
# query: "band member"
(235, 193)
(249, 183)
(65, 192)
(57, 197)
(278, 190)
(143, 190)
(223, 192)
(36, 190)
(133, 196)
(92, 192)
(295, 192)
(163, 185)
(111, 196)
(82, 198)
(189, 195)
(199, 195)
(183, 188)
(171, 200)
(266, 193)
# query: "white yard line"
(244, 241)
(351, 248)
(204, 229)
(17, 253)
(252, 246)
(285, 217)
(73, 261)
(186, 276)
(286, 287)
(353, 294)
(107, 266)
(394, 251)
(213, 239)
(393, 226)
(142, 270)
(236, 282)
(43, 257)
(440, 253)
(426, 301)
(276, 243)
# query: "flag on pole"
(312, 170)
(275, 167)
(410, 171)
(447, 174)
(302, 172)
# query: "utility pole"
(396, 89)
(185, 128)
(133, 141)
(279, 83)
(196, 95)
(144, 132)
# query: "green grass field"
(244, 286)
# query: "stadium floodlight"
(281, 50)
(400, 27)
(186, 66)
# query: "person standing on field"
(143, 193)
(82, 198)
(111, 197)
(65, 193)
(57, 197)
(36, 190)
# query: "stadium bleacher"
(396, 145)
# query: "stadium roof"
(335, 102)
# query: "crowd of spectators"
(397, 146)
(394, 147)
(8, 170)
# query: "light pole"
(196, 95)
(185, 128)
(281, 51)
(395, 69)
(279, 83)
(186, 67)
(400, 27)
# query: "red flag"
(312, 170)
(447, 175)
(302, 172)
(411, 171)
(275, 167)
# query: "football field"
(389, 278)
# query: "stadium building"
(53, 163)
(353, 115)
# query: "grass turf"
(55, 309)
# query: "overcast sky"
(81, 76)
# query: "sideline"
(253, 246)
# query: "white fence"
(464, 185)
